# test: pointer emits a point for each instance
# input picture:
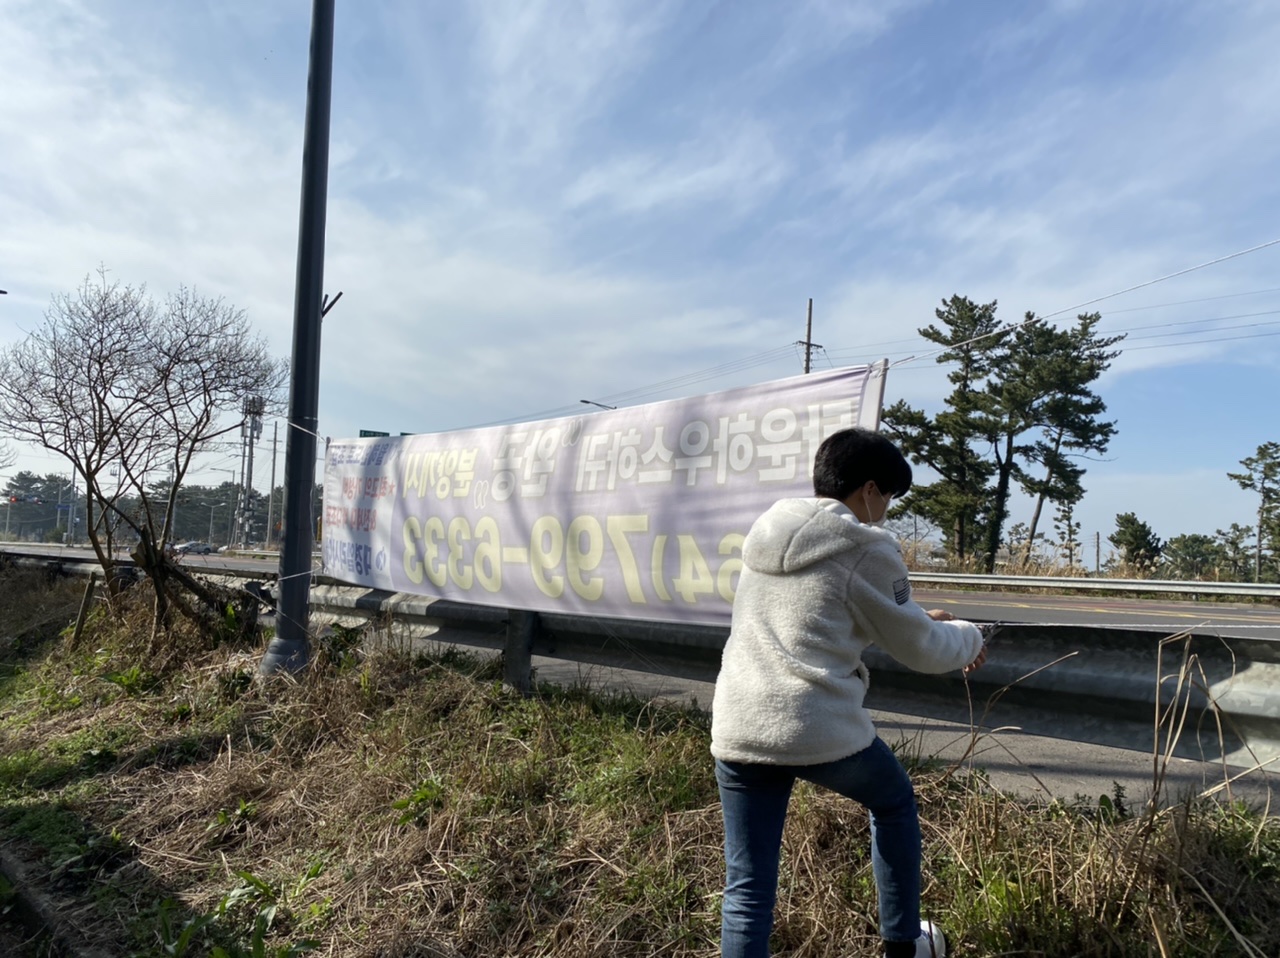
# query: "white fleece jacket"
(817, 587)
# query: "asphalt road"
(1258, 621)
(1242, 620)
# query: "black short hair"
(847, 459)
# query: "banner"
(637, 513)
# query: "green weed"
(426, 797)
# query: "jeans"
(754, 799)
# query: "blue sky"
(537, 202)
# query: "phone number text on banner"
(636, 513)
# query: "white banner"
(635, 513)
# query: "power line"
(1197, 332)
(1193, 322)
(713, 372)
(1201, 342)
(856, 350)
(952, 364)
(1161, 279)
(1071, 309)
(639, 392)
(1111, 312)
(1188, 302)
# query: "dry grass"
(387, 806)
(34, 606)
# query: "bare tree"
(123, 388)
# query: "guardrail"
(1074, 682)
(1241, 590)
(1267, 590)
(1078, 683)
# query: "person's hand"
(939, 615)
(987, 628)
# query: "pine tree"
(1068, 532)
(1138, 544)
(1022, 401)
(1262, 475)
(1192, 556)
(972, 338)
(1073, 424)
(1234, 552)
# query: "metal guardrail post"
(517, 654)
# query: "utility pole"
(290, 648)
(252, 429)
(808, 342)
(1097, 553)
(271, 490)
(236, 536)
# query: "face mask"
(884, 515)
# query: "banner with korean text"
(634, 513)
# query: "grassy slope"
(395, 807)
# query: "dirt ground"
(14, 940)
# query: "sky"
(535, 202)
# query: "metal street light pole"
(290, 649)
(212, 509)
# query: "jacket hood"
(795, 533)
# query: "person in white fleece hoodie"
(820, 582)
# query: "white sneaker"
(932, 943)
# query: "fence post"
(85, 600)
(517, 655)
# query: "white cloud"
(739, 166)
(551, 66)
(495, 232)
(107, 162)
(817, 28)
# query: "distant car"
(194, 548)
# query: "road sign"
(372, 434)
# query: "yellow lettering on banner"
(655, 566)
(488, 555)
(725, 583)
(411, 477)
(578, 561)
(459, 572)
(546, 556)
(434, 535)
(695, 576)
(618, 527)
(412, 567)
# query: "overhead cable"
(1188, 302)
(1120, 292)
(1152, 282)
